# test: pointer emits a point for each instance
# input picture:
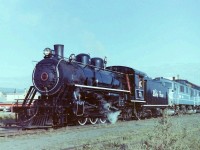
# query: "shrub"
(167, 135)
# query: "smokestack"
(59, 50)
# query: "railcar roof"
(162, 79)
(186, 82)
(126, 70)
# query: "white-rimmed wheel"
(93, 120)
(82, 121)
(102, 120)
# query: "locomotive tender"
(81, 88)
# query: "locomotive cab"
(134, 81)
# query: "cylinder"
(59, 50)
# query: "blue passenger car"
(182, 94)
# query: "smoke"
(113, 116)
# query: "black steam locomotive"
(79, 88)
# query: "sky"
(160, 38)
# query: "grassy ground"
(173, 136)
(165, 135)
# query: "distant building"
(2, 100)
(2, 94)
(11, 97)
(2, 97)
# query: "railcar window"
(192, 93)
(195, 93)
(175, 87)
(186, 89)
(182, 88)
(168, 85)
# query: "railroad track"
(8, 131)
(18, 131)
(11, 131)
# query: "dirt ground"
(92, 136)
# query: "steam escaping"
(110, 111)
(113, 116)
(106, 106)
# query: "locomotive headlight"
(47, 52)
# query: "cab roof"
(126, 70)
